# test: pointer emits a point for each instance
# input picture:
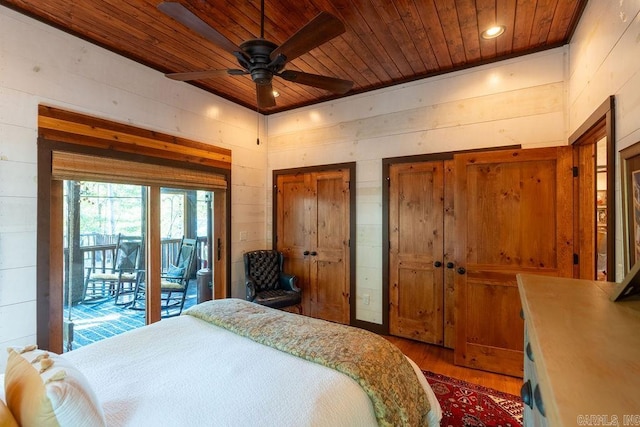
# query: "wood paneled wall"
(601, 64)
(43, 66)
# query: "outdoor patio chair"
(174, 282)
(267, 284)
(104, 282)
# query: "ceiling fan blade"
(265, 96)
(323, 82)
(319, 30)
(184, 16)
(201, 75)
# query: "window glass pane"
(173, 214)
(104, 257)
(183, 217)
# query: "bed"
(234, 363)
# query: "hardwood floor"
(440, 360)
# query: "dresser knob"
(538, 400)
(437, 264)
(529, 352)
(525, 393)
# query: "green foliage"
(109, 209)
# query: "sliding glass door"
(104, 260)
(84, 148)
(105, 266)
(183, 248)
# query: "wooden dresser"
(582, 353)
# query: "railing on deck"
(101, 257)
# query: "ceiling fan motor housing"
(261, 67)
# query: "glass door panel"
(104, 260)
(183, 225)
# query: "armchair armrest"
(289, 282)
(251, 288)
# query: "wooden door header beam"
(59, 125)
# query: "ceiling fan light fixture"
(261, 58)
(493, 32)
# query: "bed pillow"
(44, 389)
(6, 417)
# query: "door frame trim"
(351, 167)
(604, 116)
(48, 333)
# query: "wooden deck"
(97, 321)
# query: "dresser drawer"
(584, 351)
(532, 399)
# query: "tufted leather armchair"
(266, 283)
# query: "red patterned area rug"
(470, 405)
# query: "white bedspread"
(183, 371)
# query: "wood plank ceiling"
(386, 41)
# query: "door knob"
(461, 270)
(314, 253)
(449, 264)
(305, 253)
(437, 264)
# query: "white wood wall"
(519, 101)
(605, 60)
(536, 100)
(39, 64)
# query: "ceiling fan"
(261, 58)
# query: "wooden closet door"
(416, 205)
(313, 230)
(513, 215)
(293, 223)
(329, 248)
(449, 255)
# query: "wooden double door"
(313, 231)
(460, 230)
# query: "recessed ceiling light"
(493, 32)
(276, 94)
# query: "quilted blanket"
(375, 364)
